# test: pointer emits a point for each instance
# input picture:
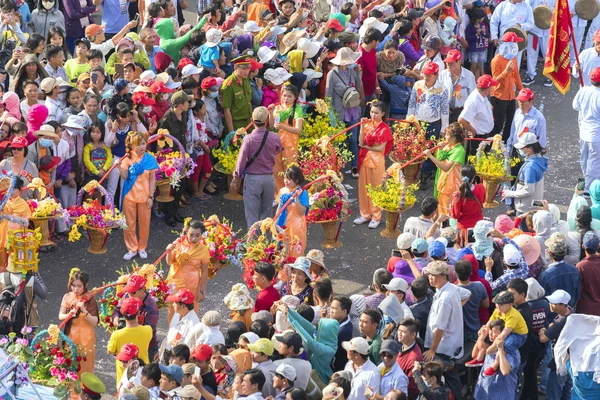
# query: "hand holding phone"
(581, 184)
(537, 203)
(119, 71)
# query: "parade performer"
(189, 260)
(80, 328)
(293, 218)
(16, 206)
(375, 142)
(138, 172)
(449, 161)
(287, 119)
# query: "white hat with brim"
(47, 131)
(526, 139)
(309, 47)
(189, 70)
(265, 54)
(147, 75)
(372, 22)
(357, 344)
(312, 74)
(345, 56)
(272, 76)
(559, 297)
(252, 26)
(213, 37)
(171, 84)
(74, 122)
(283, 73)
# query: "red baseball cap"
(18, 142)
(597, 36)
(183, 62)
(594, 76)
(511, 37)
(160, 87)
(486, 81)
(208, 82)
(526, 95)
(430, 68)
(134, 283)
(334, 24)
(130, 306)
(202, 352)
(255, 65)
(128, 351)
(453, 55)
(184, 296)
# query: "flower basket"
(220, 240)
(97, 220)
(331, 231)
(411, 171)
(227, 156)
(409, 142)
(328, 201)
(491, 185)
(173, 166)
(164, 191)
(394, 195)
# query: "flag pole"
(575, 48)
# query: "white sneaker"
(143, 254)
(129, 255)
(374, 224)
(361, 220)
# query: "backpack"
(351, 97)
(11, 307)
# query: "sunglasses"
(18, 148)
(386, 355)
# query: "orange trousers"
(371, 172)
(136, 214)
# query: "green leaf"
(77, 387)
(61, 391)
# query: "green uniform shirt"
(237, 96)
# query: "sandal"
(205, 197)
(210, 190)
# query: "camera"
(400, 71)
(537, 203)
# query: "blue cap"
(590, 241)
(419, 245)
(120, 84)
(436, 249)
(174, 370)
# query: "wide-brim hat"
(316, 257)
(266, 54)
(345, 56)
(530, 247)
(47, 131)
(309, 47)
(290, 39)
(239, 298)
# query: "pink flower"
(54, 371)
(26, 329)
(61, 377)
(23, 342)
(72, 375)
(59, 360)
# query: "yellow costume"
(447, 183)
(289, 155)
(14, 206)
(80, 331)
(186, 260)
(295, 223)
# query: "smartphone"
(136, 18)
(94, 77)
(119, 70)
(197, 371)
(537, 203)
(470, 236)
(581, 184)
(425, 33)
(396, 253)
(369, 392)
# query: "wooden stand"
(391, 225)
(331, 232)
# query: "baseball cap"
(559, 297)
(405, 240)
(264, 346)
(504, 297)
(438, 268)
(202, 352)
(262, 315)
(413, 14)
(190, 69)
(511, 254)
(430, 68)
(48, 162)
(419, 245)
(127, 42)
(188, 391)
(525, 94)
(255, 65)
(595, 75)
(134, 283)
(287, 371)
(448, 233)
(431, 43)
(252, 26)
(208, 83)
(159, 87)
(174, 370)
(290, 339)
(437, 248)
(485, 81)
(357, 344)
(128, 351)
(180, 97)
(211, 318)
(94, 29)
(590, 241)
(333, 23)
(260, 115)
(390, 346)
(189, 368)
(511, 37)
(453, 55)
(18, 142)
(84, 41)
(397, 284)
(48, 84)
(525, 138)
(130, 306)
(557, 243)
(183, 295)
(85, 76)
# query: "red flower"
(78, 358)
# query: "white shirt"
(303, 370)
(508, 15)
(419, 226)
(589, 60)
(202, 334)
(478, 112)
(424, 60)
(395, 378)
(179, 330)
(365, 375)
(534, 122)
(54, 110)
(253, 396)
(407, 311)
(587, 102)
(460, 89)
(446, 314)
(25, 107)
(61, 149)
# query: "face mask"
(165, 97)
(146, 109)
(48, 5)
(213, 94)
(522, 153)
(46, 142)
(509, 50)
(193, 104)
(351, 66)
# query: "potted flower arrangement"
(409, 142)
(266, 242)
(96, 219)
(56, 361)
(41, 212)
(220, 240)
(493, 167)
(328, 205)
(22, 356)
(394, 196)
(227, 156)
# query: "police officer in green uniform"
(237, 95)
(91, 387)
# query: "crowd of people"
(465, 308)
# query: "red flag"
(558, 57)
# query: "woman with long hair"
(287, 119)
(80, 328)
(294, 216)
(57, 37)
(138, 172)
(467, 203)
(29, 69)
(449, 161)
(375, 142)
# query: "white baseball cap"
(405, 241)
(252, 26)
(287, 371)
(372, 22)
(559, 297)
(272, 76)
(190, 69)
(526, 139)
(357, 344)
(512, 255)
(397, 284)
(312, 74)
(283, 73)
(147, 75)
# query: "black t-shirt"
(553, 333)
(541, 318)
(527, 314)
(209, 381)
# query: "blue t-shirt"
(208, 55)
(584, 387)
(498, 386)
(471, 307)
(119, 149)
(115, 15)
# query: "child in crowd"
(478, 36)
(203, 171)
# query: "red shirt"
(406, 360)
(266, 298)
(469, 211)
(589, 269)
(368, 63)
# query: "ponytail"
(468, 174)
